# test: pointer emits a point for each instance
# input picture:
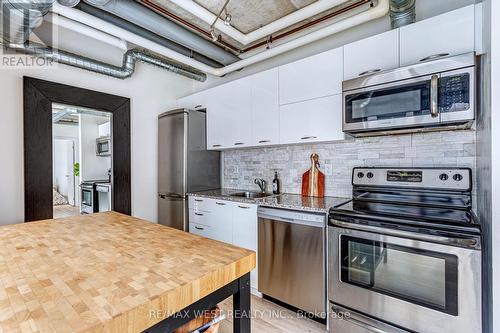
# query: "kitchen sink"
(249, 195)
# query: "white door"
(64, 157)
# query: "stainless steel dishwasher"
(292, 258)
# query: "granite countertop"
(285, 200)
(298, 202)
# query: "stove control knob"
(361, 175)
(458, 177)
(369, 175)
(443, 176)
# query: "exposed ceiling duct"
(125, 71)
(20, 27)
(22, 16)
(402, 13)
(139, 15)
(380, 9)
(119, 22)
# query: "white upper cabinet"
(316, 76)
(229, 116)
(237, 106)
(371, 55)
(451, 33)
(216, 118)
(265, 108)
(314, 120)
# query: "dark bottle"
(276, 183)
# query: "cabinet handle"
(198, 200)
(216, 145)
(199, 214)
(239, 143)
(199, 228)
(220, 203)
(434, 96)
(264, 141)
(308, 137)
(198, 106)
(370, 71)
(434, 56)
(244, 207)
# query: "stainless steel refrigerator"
(184, 164)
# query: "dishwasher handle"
(286, 219)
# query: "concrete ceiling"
(247, 15)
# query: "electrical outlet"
(328, 169)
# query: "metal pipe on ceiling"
(379, 10)
(119, 22)
(402, 13)
(125, 71)
(22, 16)
(135, 13)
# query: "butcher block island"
(109, 272)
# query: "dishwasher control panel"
(291, 215)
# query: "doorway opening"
(82, 160)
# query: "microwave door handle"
(434, 96)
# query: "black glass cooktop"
(420, 209)
(434, 199)
(402, 211)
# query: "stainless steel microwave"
(432, 95)
(103, 146)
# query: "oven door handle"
(469, 242)
(434, 96)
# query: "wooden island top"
(107, 272)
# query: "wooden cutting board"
(313, 180)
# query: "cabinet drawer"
(448, 34)
(199, 217)
(200, 230)
(200, 204)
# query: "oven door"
(406, 103)
(87, 200)
(417, 285)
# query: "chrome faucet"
(262, 184)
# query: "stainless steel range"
(405, 253)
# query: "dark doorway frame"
(37, 103)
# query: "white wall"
(424, 9)
(92, 167)
(151, 91)
(67, 132)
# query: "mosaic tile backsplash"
(435, 149)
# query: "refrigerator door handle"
(171, 195)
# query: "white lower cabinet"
(316, 120)
(226, 221)
(245, 231)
